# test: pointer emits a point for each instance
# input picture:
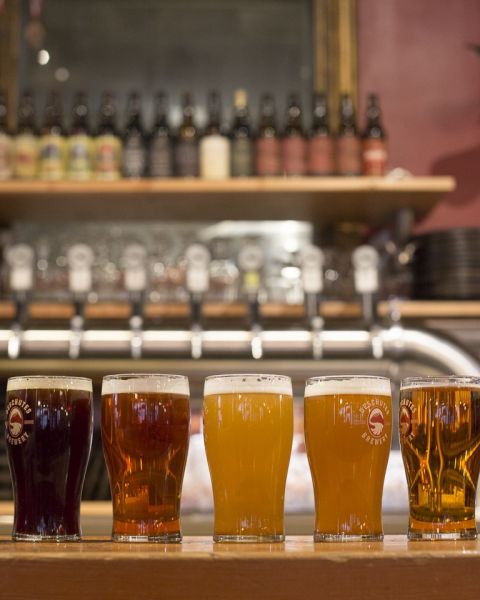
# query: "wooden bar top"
(198, 568)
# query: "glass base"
(249, 539)
(166, 538)
(35, 537)
(347, 537)
(415, 535)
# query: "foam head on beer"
(151, 383)
(346, 384)
(249, 383)
(39, 382)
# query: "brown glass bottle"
(294, 148)
(320, 145)
(267, 145)
(107, 145)
(186, 145)
(26, 139)
(160, 163)
(134, 151)
(79, 145)
(241, 136)
(374, 146)
(6, 142)
(52, 143)
(348, 146)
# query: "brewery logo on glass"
(405, 418)
(17, 412)
(377, 413)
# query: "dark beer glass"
(145, 433)
(49, 424)
(440, 440)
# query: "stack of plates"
(446, 265)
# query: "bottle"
(6, 142)
(374, 147)
(294, 147)
(320, 146)
(214, 146)
(267, 145)
(160, 149)
(134, 153)
(25, 151)
(186, 146)
(52, 143)
(80, 144)
(241, 138)
(107, 144)
(348, 146)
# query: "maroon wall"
(414, 54)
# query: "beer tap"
(134, 261)
(251, 259)
(197, 281)
(366, 261)
(312, 260)
(80, 260)
(19, 258)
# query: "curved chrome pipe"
(394, 343)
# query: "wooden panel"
(198, 569)
(9, 46)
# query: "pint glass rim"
(49, 382)
(231, 383)
(444, 381)
(327, 385)
(169, 383)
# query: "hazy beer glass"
(348, 428)
(248, 429)
(49, 424)
(145, 432)
(440, 440)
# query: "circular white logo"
(376, 422)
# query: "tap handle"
(366, 261)
(197, 275)
(20, 258)
(134, 261)
(312, 261)
(80, 261)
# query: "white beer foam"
(248, 384)
(149, 384)
(447, 381)
(37, 382)
(336, 386)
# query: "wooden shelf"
(408, 309)
(317, 199)
(197, 568)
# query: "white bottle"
(214, 146)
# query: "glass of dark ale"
(145, 434)
(440, 439)
(49, 425)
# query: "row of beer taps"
(251, 259)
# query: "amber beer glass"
(440, 440)
(348, 428)
(49, 424)
(145, 432)
(248, 430)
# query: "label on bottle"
(374, 157)
(6, 156)
(268, 156)
(51, 157)
(349, 155)
(242, 157)
(79, 157)
(214, 157)
(294, 156)
(134, 156)
(25, 156)
(107, 157)
(186, 158)
(320, 153)
(160, 158)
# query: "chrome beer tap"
(19, 258)
(366, 262)
(197, 281)
(312, 260)
(80, 261)
(134, 262)
(251, 259)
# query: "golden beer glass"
(348, 428)
(440, 438)
(248, 430)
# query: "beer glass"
(348, 427)
(49, 425)
(145, 433)
(440, 439)
(248, 430)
